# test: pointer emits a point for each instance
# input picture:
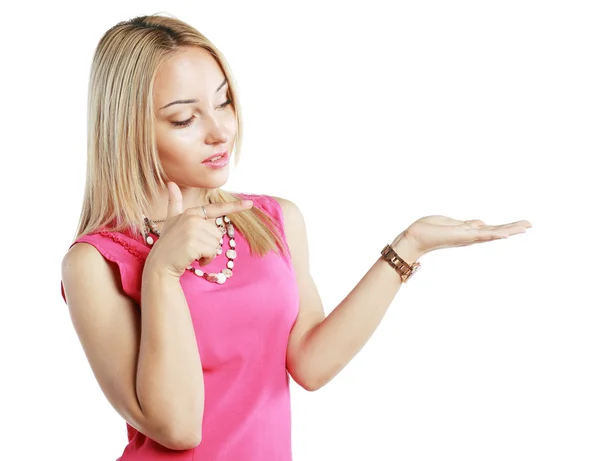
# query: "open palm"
(434, 232)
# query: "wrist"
(157, 273)
(406, 247)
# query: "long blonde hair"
(124, 173)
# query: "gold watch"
(402, 267)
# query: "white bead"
(227, 272)
(221, 241)
(230, 230)
(232, 243)
(221, 278)
(227, 220)
(149, 240)
(230, 264)
(231, 254)
(219, 221)
(198, 272)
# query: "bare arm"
(320, 347)
(329, 345)
(146, 364)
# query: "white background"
(368, 116)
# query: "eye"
(183, 123)
(188, 122)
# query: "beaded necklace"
(224, 223)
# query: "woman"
(193, 304)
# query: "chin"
(213, 179)
(202, 178)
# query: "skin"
(192, 73)
(148, 366)
(319, 346)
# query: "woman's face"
(194, 119)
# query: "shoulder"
(94, 250)
(291, 212)
(107, 256)
(83, 266)
(285, 209)
(295, 230)
(79, 256)
(279, 207)
(290, 218)
(86, 256)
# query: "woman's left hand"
(436, 232)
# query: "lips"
(215, 157)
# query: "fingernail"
(248, 203)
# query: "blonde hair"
(124, 173)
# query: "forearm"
(330, 345)
(170, 384)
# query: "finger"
(214, 210)
(479, 238)
(175, 205)
(508, 229)
(207, 253)
(522, 223)
(210, 237)
(480, 241)
(205, 225)
(488, 235)
(474, 223)
(519, 224)
(484, 235)
(204, 261)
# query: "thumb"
(175, 205)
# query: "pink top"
(242, 328)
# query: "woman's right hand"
(189, 235)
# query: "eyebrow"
(190, 101)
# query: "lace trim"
(125, 244)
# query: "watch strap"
(402, 267)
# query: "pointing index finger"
(215, 210)
(175, 205)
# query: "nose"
(217, 131)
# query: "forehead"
(190, 73)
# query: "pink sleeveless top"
(242, 328)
